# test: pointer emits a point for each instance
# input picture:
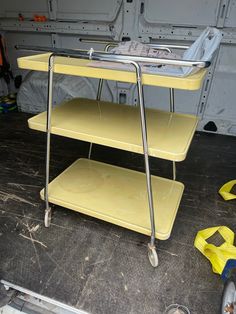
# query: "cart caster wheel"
(47, 217)
(152, 255)
(229, 296)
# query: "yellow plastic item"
(224, 191)
(117, 195)
(81, 67)
(109, 124)
(217, 255)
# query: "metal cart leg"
(99, 92)
(172, 109)
(48, 210)
(152, 254)
(90, 150)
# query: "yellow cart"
(134, 200)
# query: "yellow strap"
(217, 255)
(224, 191)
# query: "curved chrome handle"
(105, 56)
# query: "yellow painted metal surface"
(81, 67)
(117, 195)
(114, 125)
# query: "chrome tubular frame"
(99, 90)
(143, 126)
(145, 151)
(172, 109)
(184, 47)
(105, 56)
(132, 60)
(48, 127)
(100, 84)
(158, 46)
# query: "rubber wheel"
(152, 255)
(229, 296)
(47, 218)
(176, 309)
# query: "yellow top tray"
(80, 67)
(117, 195)
(114, 125)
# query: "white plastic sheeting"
(202, 49)
(32, 96)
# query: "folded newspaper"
(202, 49)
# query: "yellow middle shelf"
(117, 195)
(114, 125)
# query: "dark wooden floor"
(94, 265)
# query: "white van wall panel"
(28, 8)
(90, 10)
(74, 42)
(159, 21)
(230, 20)
(17, 38)
(102, 30)
(185, 101)
(221, 104)
(182, 12)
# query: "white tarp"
(32, 96)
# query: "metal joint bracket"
(90, 53)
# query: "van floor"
(96, 266)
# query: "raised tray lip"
(37, 63)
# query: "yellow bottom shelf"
(117, 195)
